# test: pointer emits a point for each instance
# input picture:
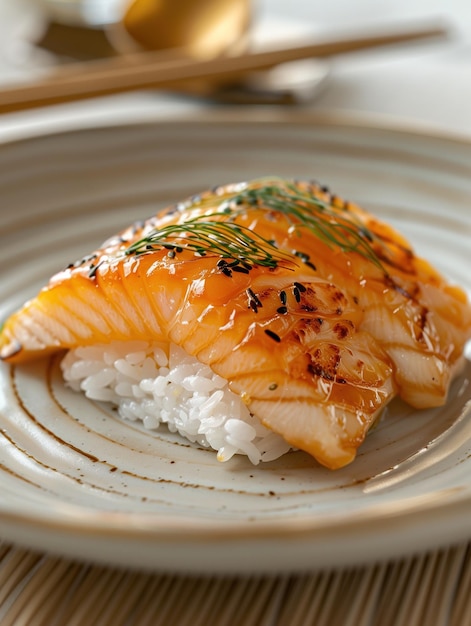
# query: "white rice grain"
(157, 385)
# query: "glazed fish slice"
(278, 287)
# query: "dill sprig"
(219, 233)
(225, 239)
(305, 210)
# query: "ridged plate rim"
(442, 509)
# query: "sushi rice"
(157, 384)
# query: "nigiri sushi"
(254, 318)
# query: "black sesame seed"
(283, 297)
(272, 335)
(301, 255)
(254, 297)
(226, 271)
(137, 226)
(171, 254)
(221, 263)
(366, 234)
(300, 287)
(240, 269)
(297, 295)
(272, 386)
(86, 259)
(253, 306)
(172, 210)
(93, 269)
(282, 310)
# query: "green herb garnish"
(304, 210)
(225, 239)
(219, 234)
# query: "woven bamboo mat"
(431, 589)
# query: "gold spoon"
(200, 29)
(197, 29)
(194, 28)
(208, 29)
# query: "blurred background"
(425, 84)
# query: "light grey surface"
(427, 84)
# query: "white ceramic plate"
(77, 481)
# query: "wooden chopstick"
(151, 70)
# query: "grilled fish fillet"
(316, 312)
